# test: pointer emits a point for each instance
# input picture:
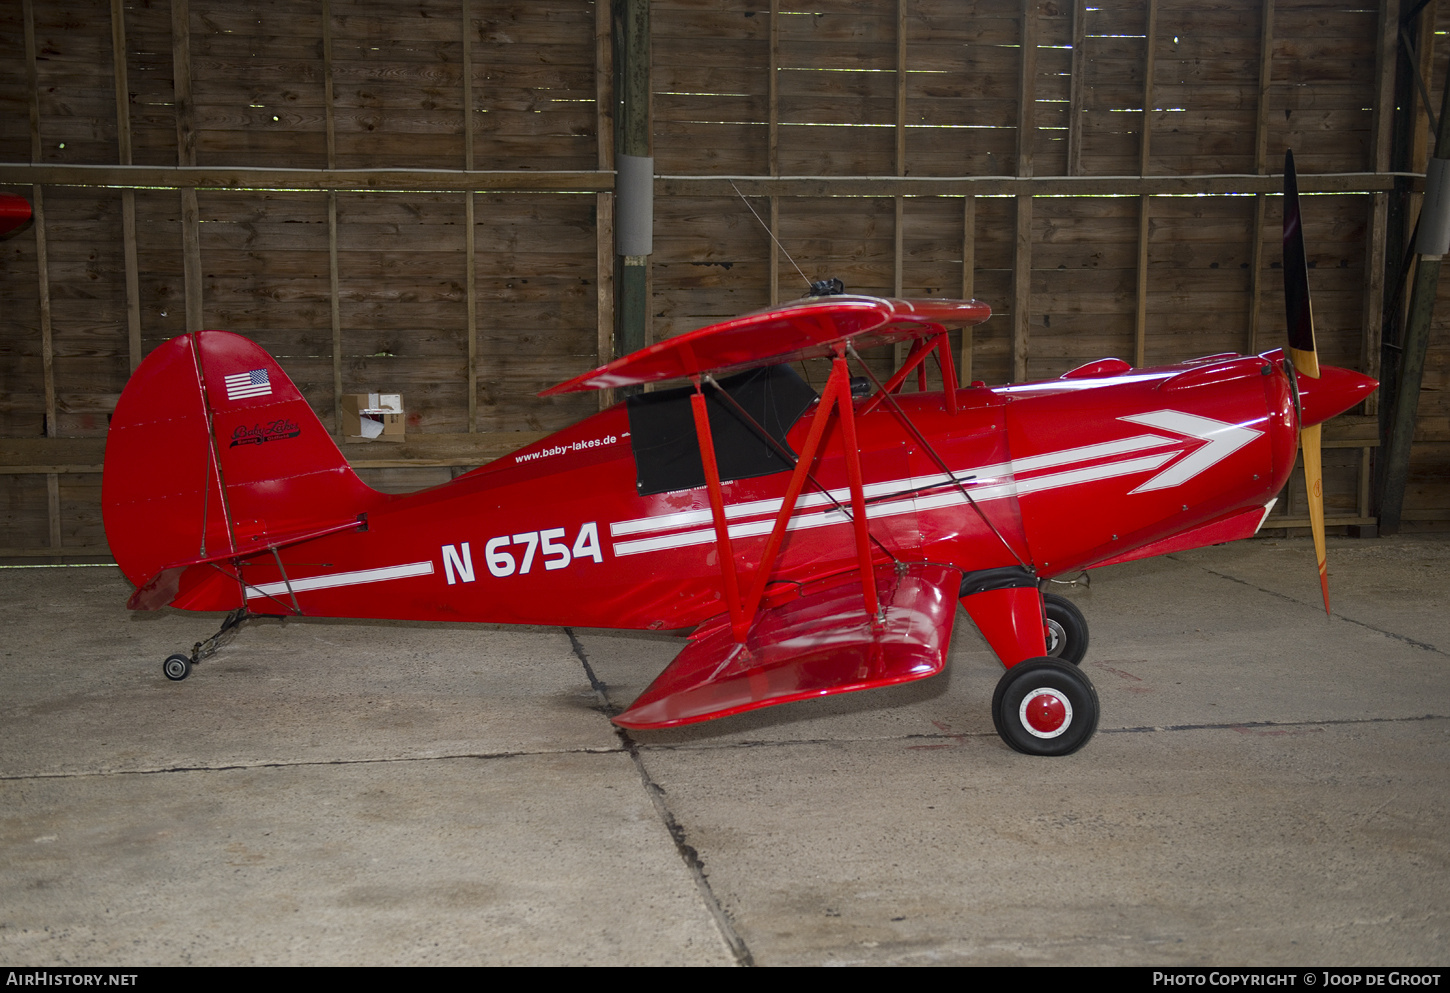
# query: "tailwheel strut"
(178, 666)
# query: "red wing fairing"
(817, 643)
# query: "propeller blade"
(1305, 357)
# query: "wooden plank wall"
(414, 196)
(990, 101)
(307, 224)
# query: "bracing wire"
(769, 232)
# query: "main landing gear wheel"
(177, 667)
(1067, 630)
(1045, 707)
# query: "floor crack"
(687, 852)
(1423, 646)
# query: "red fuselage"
(1070, 473)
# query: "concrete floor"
(1266, 787)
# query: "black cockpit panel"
(662, 429)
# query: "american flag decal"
(248, 384)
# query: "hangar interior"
(419, 198)
(424, 198)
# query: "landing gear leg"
(177, 667)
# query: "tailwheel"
(1067, 630)
(1045, 707)
(177, 667)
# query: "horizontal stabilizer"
(162, 589)
(817, 644)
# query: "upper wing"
(807, 329)
(820, 643)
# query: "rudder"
(213, 453)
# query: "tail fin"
(213, 456)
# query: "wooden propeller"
(1305, 358)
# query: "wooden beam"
(1386, 60)
(774, 250)
(334, 298)
(1145, 138)
(773, 148)
(77, 551)
(1261, 166)
(42, 275)
(593, 181)
(42, 280)
(901, 87)
(1140, 312)
(335, 310)
(133, 278)
(772, 92)
(32, 84)
(1422, 138)
(186, 156)
(471, 290)
(182, 102)
(969, 282)
(119, 63)
(466, 17)
(191, 258)
(47, 353)
(1076, 89)
(329, 119)
(1256, 273)
(1266, 84)
(469, 236)
(827, 186)
(603, 87)
(1372, 313)
(1140, 316)
(52, 501)
(1022, 289)
(283, 180)
(1027, 89)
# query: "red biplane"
(814, 544)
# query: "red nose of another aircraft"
(1334, 392)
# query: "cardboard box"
(373, 417)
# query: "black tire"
(177, 667)
(1067, 630)
(1065, 721)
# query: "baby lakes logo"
(257, 434)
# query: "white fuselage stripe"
(912, 504)
(341, 579)
(755, 508)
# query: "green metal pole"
(632, 84)
(1416, 340)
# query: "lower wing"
(817, 643)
